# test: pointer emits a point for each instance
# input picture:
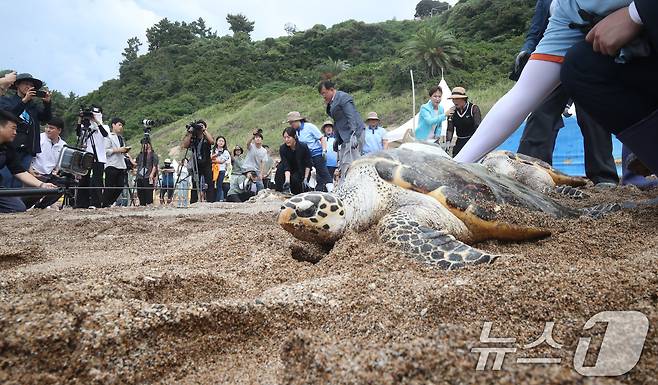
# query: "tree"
(198, 28)
(166, 33)
(426, 8)
(130, 52)
(290, 28)
(330, 68)
(239, 24)
(434, 48)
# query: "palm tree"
(330, 68)
(435, 48)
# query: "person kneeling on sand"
(243, 187)
(9, 158)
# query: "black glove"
(286, 188)
(519, 62)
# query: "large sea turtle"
(425, 204)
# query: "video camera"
(86, 113)
(195, 126)
(74, 161)
(147, 124)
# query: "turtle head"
(316, 217)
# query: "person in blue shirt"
(431, 117)
(311, 136)
(374, 135)
(332, 156)
(617, 82)
(542, 126)
(567, 27)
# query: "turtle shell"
(469, 190)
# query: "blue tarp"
(568, 156)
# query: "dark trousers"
(297, 183)
(541, 130)
(45, 201)
(615, 95)
(322, 176)
(331, 170)
(205, 173)
(296, 180)
(144, 192)
(8, 179)
(279, 177)
(114, 177)
(94, 178)
(219, 195)
(11, 205)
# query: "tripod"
(196, 178)
(85, 135)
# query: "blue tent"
(568, 156)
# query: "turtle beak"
(286, 216)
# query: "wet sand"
(216, 294)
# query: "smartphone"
(40, 94)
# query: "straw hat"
(294, 116)
(372, 116)
(327, 123)
(458, 93)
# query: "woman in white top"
(220, 156)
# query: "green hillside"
(237, 84)
(267, 107)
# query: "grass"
(267, 107)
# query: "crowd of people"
(567, 57)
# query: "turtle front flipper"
(570, 192)
(405, 231)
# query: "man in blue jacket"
(542, 126)
(27, 143)
(348, 124)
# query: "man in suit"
(597, 79)
(348, 125)
(115, 168)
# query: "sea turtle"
(425, 204)
(534, 173)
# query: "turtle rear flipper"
(404, 231)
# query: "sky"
(75, 45)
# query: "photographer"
(92, 133)
(147, 174)
(243, 187)
(10, 159)
(199, 139)
(256, 156)
(117, 163)
(167, 184)
(44, 164)
(23, 105)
